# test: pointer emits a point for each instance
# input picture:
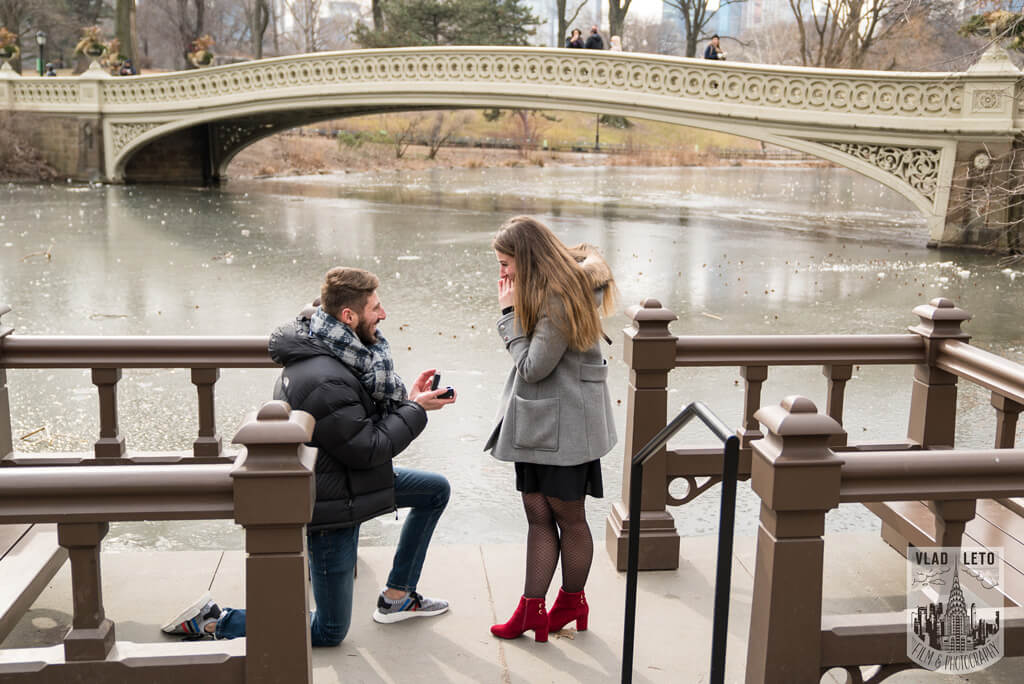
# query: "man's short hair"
(347, 288)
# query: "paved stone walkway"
(483, 583)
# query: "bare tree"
(617, 10)
(306, 14)
(187, 18)
(696, 14)
(259, 19)
(565, 18)
(650, 35)
(840, 33)
(526, 126)
(773, 44)
(402, 130)
(443, 127)
(124, 28)
(377, 10)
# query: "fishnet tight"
(557, 528)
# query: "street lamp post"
(41, 42)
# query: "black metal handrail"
(723, 575)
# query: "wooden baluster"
(1007, 411)
(798, 479)
(950, 519)
(92, 634)
(837, 375)
(278, 467)
(6, 439)
(111, 443)
(650, 352)
(933, 398)
(208, 443)
(753, 377)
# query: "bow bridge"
(935, 138)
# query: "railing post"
(111, 443)
(1007, 411)
(274, 491)
(92, 635)
(6, 438)
(208, 443)
(933, 397)
(650, 352)
(797, 477)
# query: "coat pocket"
(536, 424)
(594, 372)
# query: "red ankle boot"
(569, 607)
(530, 614)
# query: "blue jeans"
(332, 559)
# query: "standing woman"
(555, 417)
(575, 39)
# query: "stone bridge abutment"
(944, 141)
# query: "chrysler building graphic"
(957, 632)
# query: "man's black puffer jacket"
(355, 439)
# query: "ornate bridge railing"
(83, 500)
(799, 478)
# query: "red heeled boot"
(569, 607)
(530, 614)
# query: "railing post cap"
(994, 61)
(797, 416)
(650, 318)
(275, 423)
(940, 318)
(95, 72)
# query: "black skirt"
(567, 483)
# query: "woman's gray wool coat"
(555, 408)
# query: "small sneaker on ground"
(192, 621)
(413, 605)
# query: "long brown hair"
(545, 268)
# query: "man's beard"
(365, 333)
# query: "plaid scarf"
(373, 365)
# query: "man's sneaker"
(411, 606)
(192, 621)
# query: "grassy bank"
(480, 139)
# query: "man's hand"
(506, 293)
(421, 393)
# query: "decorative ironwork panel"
(123, 134)
(917, 166)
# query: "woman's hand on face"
(506, 293)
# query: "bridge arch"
(909, 172)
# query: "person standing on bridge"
(594, 40)
(714, 49)
(555, 416)
(338, 367)
(575, 39)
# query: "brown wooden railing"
(106, 358)
(936, 347)
(799, 478)
(82, 501)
